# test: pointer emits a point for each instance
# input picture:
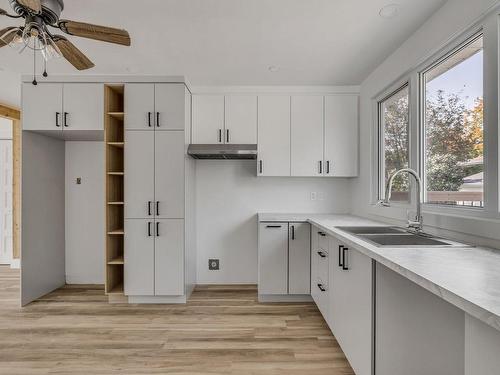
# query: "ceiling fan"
(39, 15)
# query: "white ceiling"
(233, 42)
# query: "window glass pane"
(394, 118)
(454, 164)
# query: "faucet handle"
(383, 203)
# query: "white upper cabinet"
(307, 125)
(83, 106)
(208, 119)
(274, 136)
(139, 106)
(169, 106)
(341, 136)
(42, 107)
(241, 119)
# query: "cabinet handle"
(320, 167)
(157, 208)
(149, 208)
(220, 135)
(149, 229)
(57, 119)
(157, 229)
(66, 119)
(157, 119)
(322, 234)
(321, 254)
(340, 255)
(321, 287)
(273, 226)
(345, 267)
(260, 166)
(149, 119)
(227, 135)
(293, 232)
(328, 167)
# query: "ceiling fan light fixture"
(51, 51)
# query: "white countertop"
(468, 277)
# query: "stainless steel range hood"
(220, 151)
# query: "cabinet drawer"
(323, 240)
(320, 295)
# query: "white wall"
(10, 89)
(452, 19)
(228, 197)
(85, 213)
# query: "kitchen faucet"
(413, 225)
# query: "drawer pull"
(273, 226)
(321, 287)
(345, 267)
(322, 234)
(321, 254)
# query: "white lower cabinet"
(482, 346)
(319, 271)
(154, 257)
(284, 262)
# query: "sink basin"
(404, 240)
(372, 230)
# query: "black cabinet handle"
(340, 255)
(328, 167)
(157, 208)
(57, 119)
(260, 166)
(157, 229)
(66, 119)
(220, 135)
(293, 232)
(321, 287)
(149, 229)
(322, 234)
(273, 226)
(149, 208)
(157, 119)
(345, 267)
(227, 135)
(321, 254)
(149, 119)
(320, 167)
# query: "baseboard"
(156, 299)
(15, 264)
(285, 298)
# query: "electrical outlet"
(213, 264)
(78, 180)
(321, 196)
(313, 195)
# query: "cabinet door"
(169, 174)
(139, 174)
(299, 259)
(139, 106)
(169, 106)
(208, 119)
(273, 258)
(139, 257)
(169, 258)
(241, 119)
(350, 314)
(307, 136)
(341, 135)
(42, 107)
(83, 106)
(274, 136)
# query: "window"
(394, 116)
(453, 128)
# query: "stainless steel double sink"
(388, 236)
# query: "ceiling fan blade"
(3, 12)
(72, 54)
(7, 35)
(33, 5)
(96, 32)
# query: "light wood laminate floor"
(222, 330)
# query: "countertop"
(466, 277)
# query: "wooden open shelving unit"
(114, 138)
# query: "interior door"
(139, 106)
(307, 136)
(169, 106)
(341, 135)
(6, 166)
(83, 106)
(42, 107)
(299, 258)
(139, 174)
(169, 257)
(139, 257)
(208, 119)
(241, 119)
(169, 175)
(273, 258)
(274, 136)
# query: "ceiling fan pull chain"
(34, 68)
(45, 68)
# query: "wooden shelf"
(117, 232)
(118, 289)
(116, 173)
(116, 144)
(117, 115)
(116, 203)
(116, 261)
